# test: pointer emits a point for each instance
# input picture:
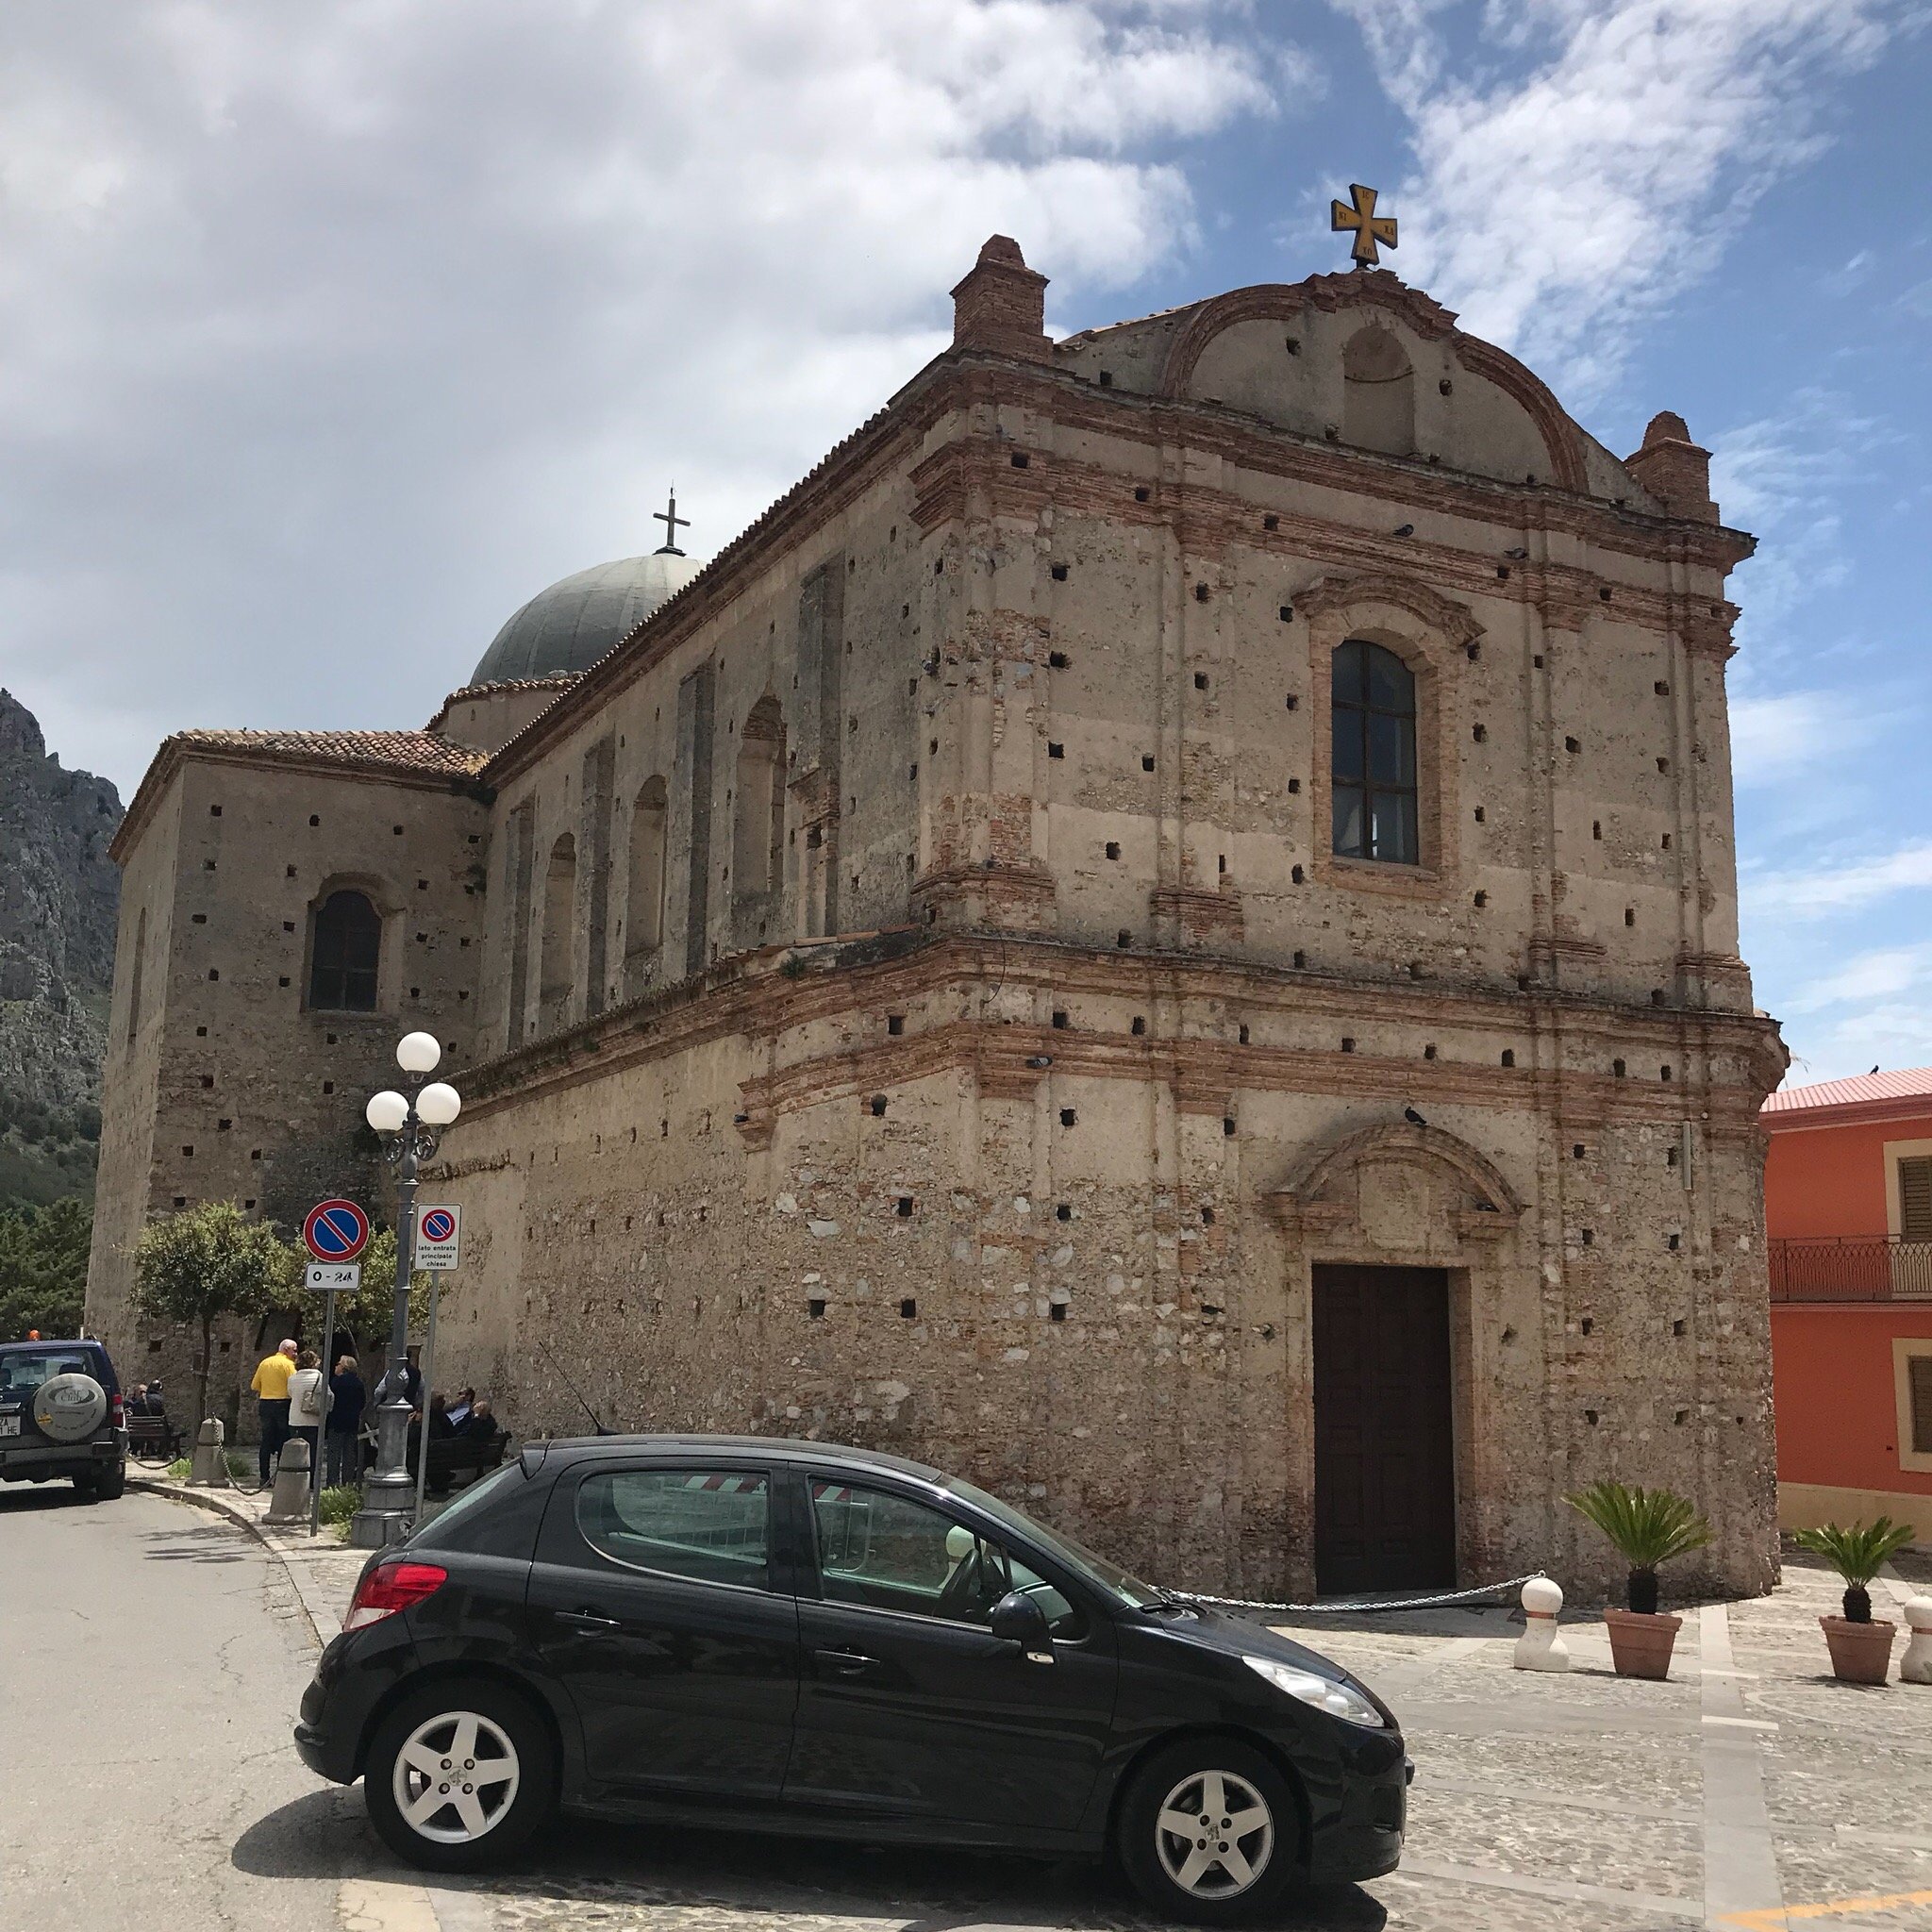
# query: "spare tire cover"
(69, 1408)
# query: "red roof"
(416, 751)
(1875, 1096)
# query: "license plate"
(9, 1425)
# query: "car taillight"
(117, 1411)
(392, 1587)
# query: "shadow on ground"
(207, 1543)
(576, 1860)
(55, 1493)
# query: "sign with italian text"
(335, 1277)
(438, 1237)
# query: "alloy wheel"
(456, 1777)
(1215, 1834)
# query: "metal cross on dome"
(1369, 227)
(671, 521)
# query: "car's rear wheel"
(110, 1483)
(459, 1775)
(1209, 1831)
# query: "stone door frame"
(1323, 1220)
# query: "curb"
(213, 1501)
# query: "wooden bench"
(453, 1455)
(154, 1438)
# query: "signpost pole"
(428, 1370)
(328, 1342)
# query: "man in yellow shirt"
(270, 1386)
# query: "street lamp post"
(410, 1124)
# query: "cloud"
(1839, 886)
(1776, 735)
(1882, 974)
(334, 332)
(1590, 162)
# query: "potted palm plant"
(1648, 1527)
(1860, 1643)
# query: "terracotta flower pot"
(1641, 1646)
(1861, 1653)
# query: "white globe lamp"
(387, 1111)
(438, 1104)
(418, 1053)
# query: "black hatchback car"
(821, 1641)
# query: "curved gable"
(1290, 352)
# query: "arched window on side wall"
(757, 843)
(558, 975)
(1377, 394)
(644, 907)
(1372, 694)
(344, 953)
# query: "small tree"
(208, 1261)
(1648, 1526)
(1857, 1554)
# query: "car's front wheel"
(1209, 1831)
(459, 1775)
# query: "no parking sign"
(438, 1237)
(335, 1231)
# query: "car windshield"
(1076, 1556)
(22, 1374)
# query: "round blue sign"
(439, 1224)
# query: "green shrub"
(341, 1503)
(1857, 1554)
(1648, 1527)
(180, 1469)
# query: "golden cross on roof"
(671, 521)
(1369, 227)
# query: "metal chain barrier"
(1325, 1609)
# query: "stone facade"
(915, 998)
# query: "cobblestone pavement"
(1750, 1791)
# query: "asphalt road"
(151, 1660)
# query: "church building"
(1161, 933)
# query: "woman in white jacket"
(308, 1403)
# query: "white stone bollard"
(1915, 1667)
(290, 1503)
(1540, 1648)
(210, 1465)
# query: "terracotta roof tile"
(1860, 1089)
(414, 751)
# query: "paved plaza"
(1750, 1791)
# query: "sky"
(330, 334)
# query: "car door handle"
(844, 1663)
(588, 1619)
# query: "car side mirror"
(1018, 1620)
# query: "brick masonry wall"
(234, 1089)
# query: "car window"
(21, 1375)
(891, 1553)
(709, 1525)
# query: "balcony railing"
(1851, 1270)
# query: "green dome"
(582, 618)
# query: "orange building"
(1848, 1210)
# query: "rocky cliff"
(57, 896)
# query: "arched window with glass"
(1371, 695)
(344, 954)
